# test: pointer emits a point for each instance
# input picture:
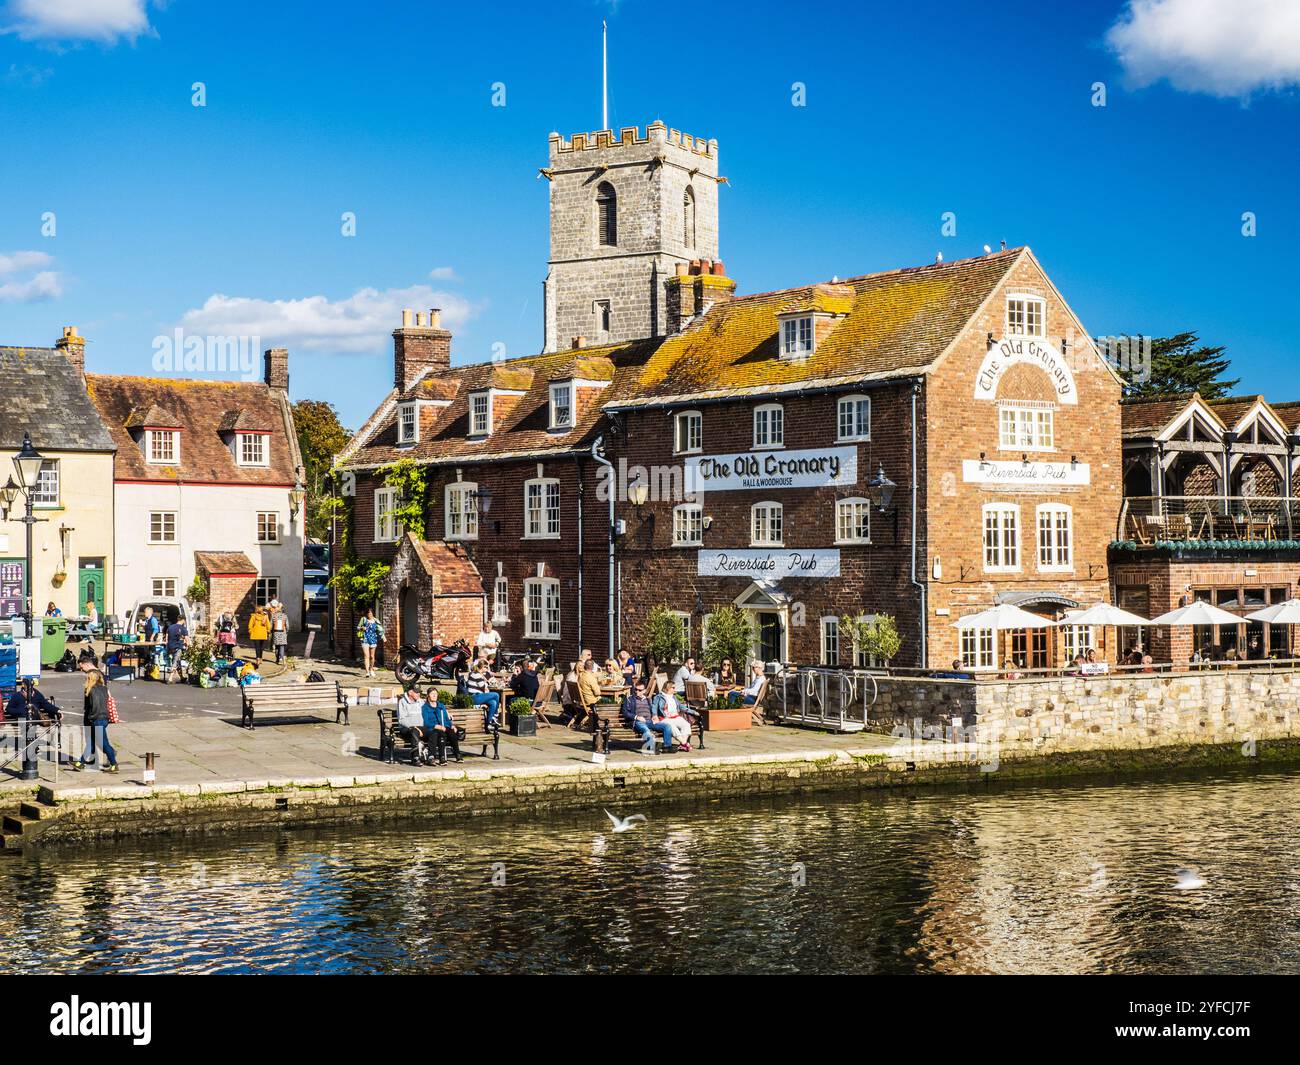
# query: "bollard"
(149, 775)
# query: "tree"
(665, 636)
(731, 635)
(1182, 364)
(875, 636)
(320, 437)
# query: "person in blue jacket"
(27, 702)
(441, 728)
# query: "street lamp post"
(27, 464)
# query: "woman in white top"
(672, 713)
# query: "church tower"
(627, 210)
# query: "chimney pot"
(74, 347)
(718, 269)
(407, 318)
(683, 269)
(435, 318)
(579, 342)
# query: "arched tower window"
(688, 218)
(606, 215)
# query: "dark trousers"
(444, 738)
(416, 737)
(258, 647)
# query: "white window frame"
(1026, 426)
(684, 619)
(163, 587)
(773, 517)
(542, 508)
(843, 505)
(408, 423)
(460, 511)
(265, 589)
(157, 436)
(483, 427)
(49, 474)
(694, 441)
(798, 337)
(851, 403)
(274, 517)
(830, 640)
(1022, 307)
(162, 538)
(1078, 640)
(542, 614)
(688, 525)
(260, 441)
(501, 601)
(566, 388)
(1003, 549)
(1055, 543)
(387, 529)
(979, 650)
(771, 418)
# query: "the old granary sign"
(1036, 352)
(1020, 474)
(814, 468)
(773, 564)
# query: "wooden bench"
(471, 728)
(608, 724)
(282, 700)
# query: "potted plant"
(198, 658)
(665, 636)
(520, 717)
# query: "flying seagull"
(624, 824)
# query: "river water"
(1066, 879)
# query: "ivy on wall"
(412, 486)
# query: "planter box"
(522, 724)
(729, 720)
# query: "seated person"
(726, 675)
(690, 672)
(477, 685)
(667, 707)
(588, 689)
(638, 711)
(441, 727)
(524, 682)
(53, 611)
(410, 723)
(27, 702)
(755, 686)
(627, 666)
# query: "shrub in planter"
(519, 706)
(519, 716)
(459, 701)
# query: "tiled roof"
(1289, 412)
(228, 563)
(152, 417)
(895, 323)
(436, 389)
(41, 391)
(201, 409)
(452, 570)
(1146, 417)
(234, 421)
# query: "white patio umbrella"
(1287, 613)
(1198, 613)
(1102, 614)
(1003, 616)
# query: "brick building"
(922, 443)
(1209, 513)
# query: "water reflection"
(1071, 880)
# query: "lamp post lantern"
(27, 464)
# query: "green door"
(90, 585)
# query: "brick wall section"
(234, 595)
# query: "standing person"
(178, 638)
(95, 716)
(487, 642)
(279, 633)
(227, 626)
(259, 628)
(369, 632)
(151, 627)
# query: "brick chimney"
(697, 286)
(73, 345)
(276, 368)
(421, 343)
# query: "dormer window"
(251, 449)
(562, 405)
(162, 446)
(1025, 316)
(797, 337)
(480, 413)
(408, 423)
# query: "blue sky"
(227, 217)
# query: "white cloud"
(105, 21)
(40, 285)
(443, 273)
(359, 324)
(1221, 47)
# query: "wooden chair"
(757, 708)
(697, 695)
(544, 694)
(1138, 525)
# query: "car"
(315, 589)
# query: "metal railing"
(49, 736)
(838, 699)
(1151, 519)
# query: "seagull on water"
(1188, 880)
(624, 824)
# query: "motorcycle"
(439, 662)
(540, 657)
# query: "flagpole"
(604, 75)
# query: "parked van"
(165, 609)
